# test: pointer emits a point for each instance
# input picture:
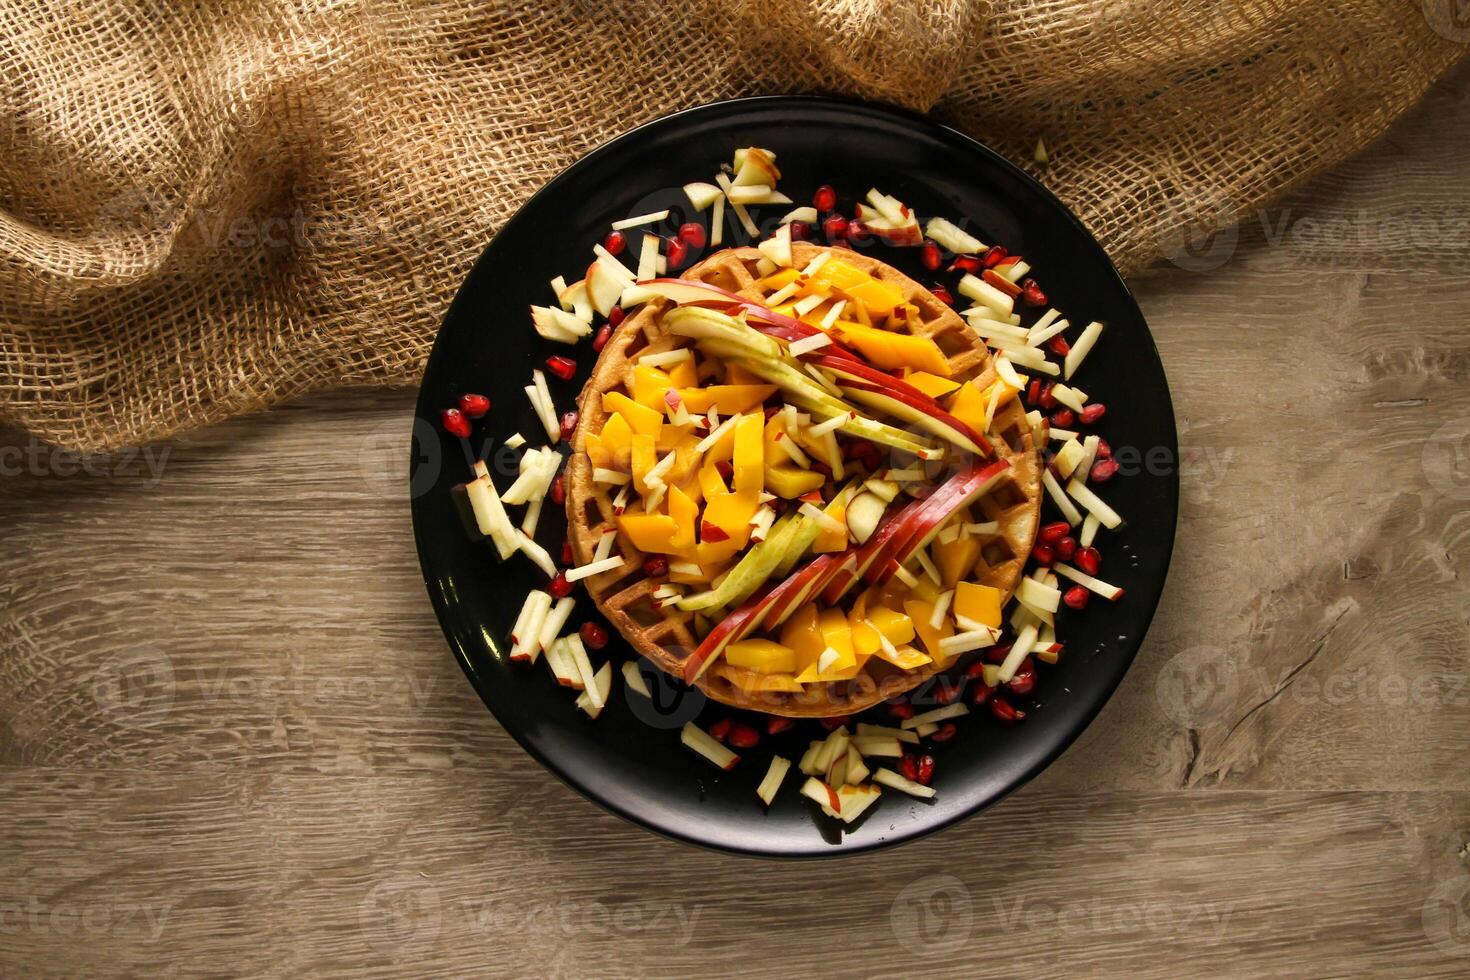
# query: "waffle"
(667, 636)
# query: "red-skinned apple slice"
(905, 401)
(602, 289)
(956, 493)
(686, 292)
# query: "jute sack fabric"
(207, 207)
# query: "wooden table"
(233, 739)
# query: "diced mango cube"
(801, 635)
(832, 539)
(890, 351)
(749, 455)
(685, 514)
(919, 612)
(617, 439)
(968, 405)
(649, 385)
(652, 533)
(930, 384)
(955, 558)
(978, 602)
(640, 418)
(644, 457)
(761, 656)
(728, 399)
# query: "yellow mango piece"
(640, 418)
(896, 626)
(780, 279)
(811, 676)
(711, 484)
(905, 658)
(649, 385)
(968, 405)
(865, 641)
(919, 611)
(596, 451)
(876, 296)
(1006, 394)
(731, 513)
(729, 399)
(685, 514)
(801, 635)
(684, 374)
(749, 455)
(832, 539)
(652, 533)
(955, 558)
(978, 602)
(789, 481)
(643, 459)
(686, 455)
(837, 634)
(737, 375)
(930, 384)
(890, 351)
(761, 656)
(838, 273)
(617, 439)
(755, 682)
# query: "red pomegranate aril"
(995, 256)
(743, 736)
(559, 586)
(776, 724)
(1089, 560)
(1091, 413)
(1043, 554)
(908, 767)
(676, 250)
(1076, 597)
(720, 730)
(801, 231)
(454, 423)
(615, 317)
(615, 242)
(1053, 532)
(834, 723)
(1058, 345)
(998, 281)
(967, 264)
(930, 257)
(942, 294)
(924, 766)
(981, 693)
(825, 199)
(656, 566)
(944, 732)
(1033, 392)
(1104, 451)
(857, 233)
(1064, 418)
(835, 228)
(594, 636)
(559, 489)
(1066, 548)
(563, 367)
(976, 669)
(691, 233)
(947, 692)
(1031, 293)
(1005, 711)
(902, 712)
(568, 425)
(566, 553)
(1047, 400)
(475, 406)
(1103, 470)
(1024, 679)
(603, 335)
(997, 654)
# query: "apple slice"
(777, 248)
(924, 413)
(958, 492)
(772, 781)
(702, 195)
(602, 288)
(952, 237)
(863, 515)
(685, 292)
(704, 743)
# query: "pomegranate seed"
(568, 425)
(776, 724)
(1053, 532)
(691, 233)
(1006, 711)
(975, 669)
(744, 737)
(615, 317)
(1103, 470)
(1031, 293)
(995, 255)
(966, 263)
(825, 199)
(832, 724)
(656, 566)
(925, 767)
(604, 333)
(1033, 392)
(801, 231)
(908, 767)
(720, 730)
(944, 733)
(902, 712)
(942, 294)
(455, 423)
(615, 242)
(930, 257)
(1043, 554)
(566, 553)
(857, 232)
(562, 367)
(1089, 560)
(475, 406)
(559, 489)
(997, 654)
(1024, 678)
(1091, 413)
(1076, 597)
(677, 252)
(1047, 400)
(835, 228)
(1066, 548)
(1064, 418)
(946, 692)
(593, 635)
(559, 586)
(981, 693)
(1058, 345)
(1104, 451)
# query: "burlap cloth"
(207, 207)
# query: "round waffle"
(667, 635)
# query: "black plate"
(637, 769)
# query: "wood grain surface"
(233, 741)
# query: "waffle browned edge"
(666, 636)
